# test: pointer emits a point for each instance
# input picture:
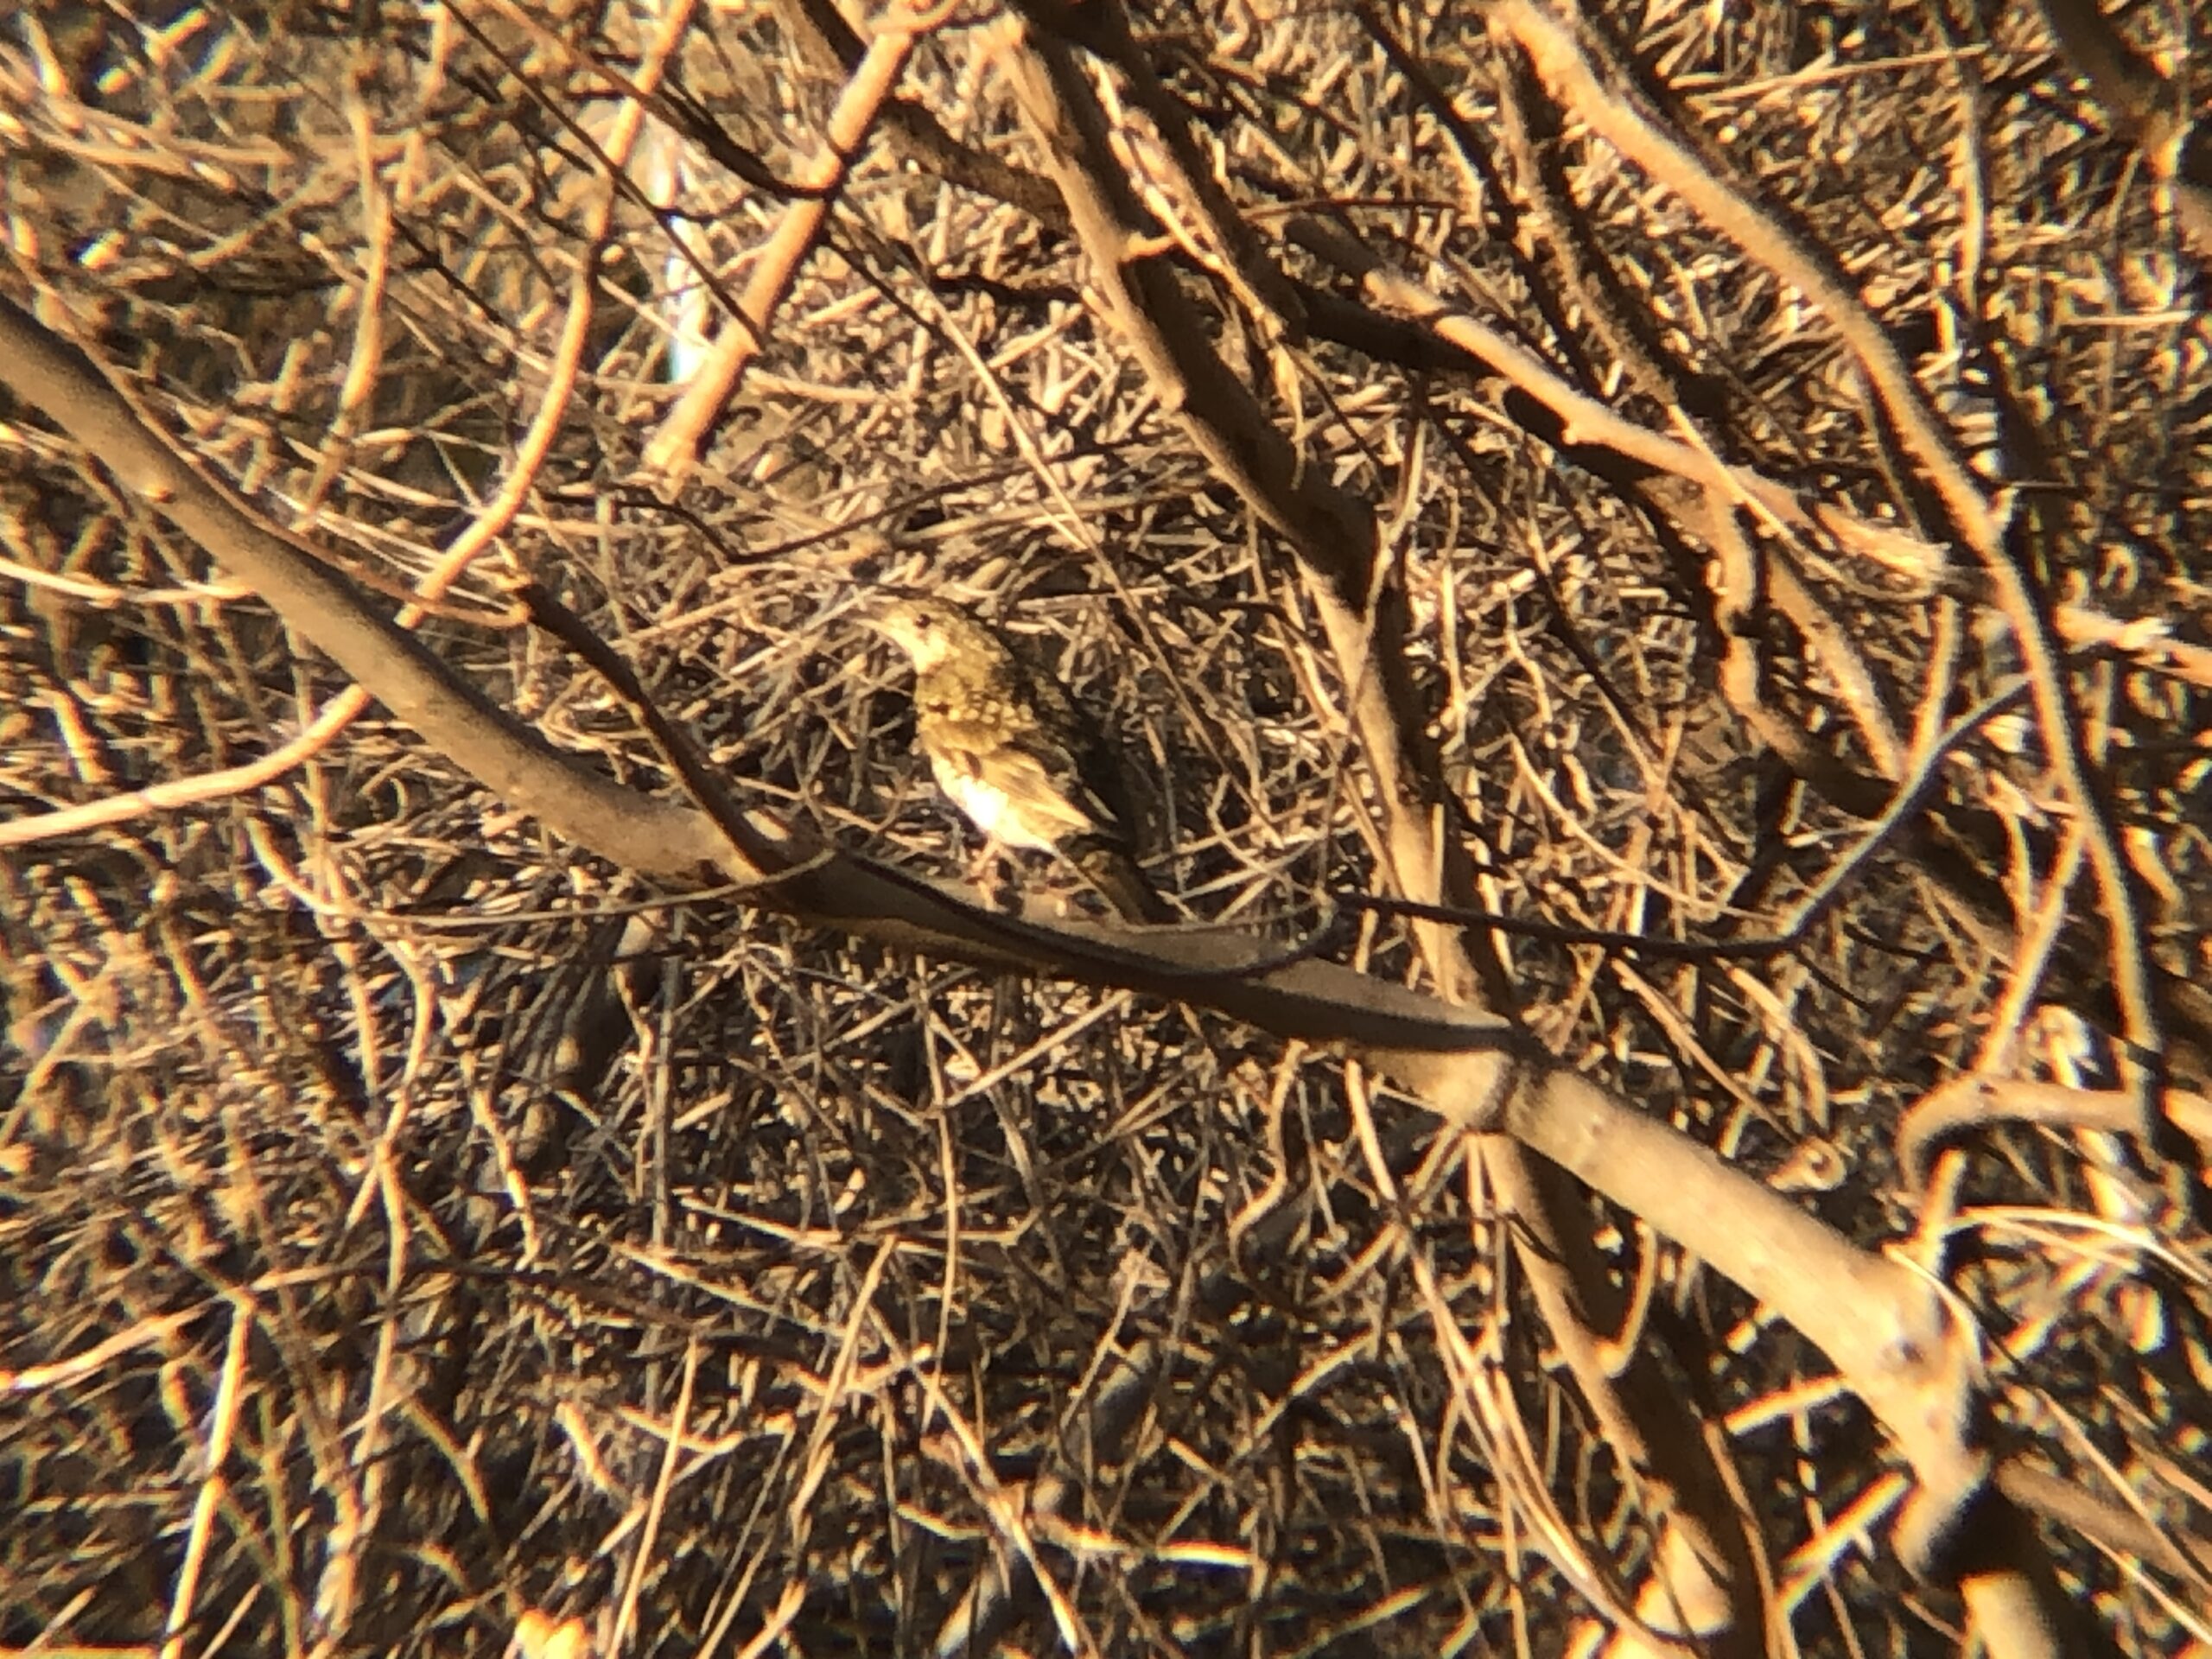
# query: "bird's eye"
(923, 623)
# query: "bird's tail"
(1120, 883)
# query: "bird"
(1015, 753)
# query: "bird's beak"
(883, 628)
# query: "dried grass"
(365, 1287)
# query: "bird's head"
(926, 631)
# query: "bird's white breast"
(990, 810)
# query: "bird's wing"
(1032, 749)
(1062, 734)
(1071, 770)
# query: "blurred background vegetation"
(419, 1237)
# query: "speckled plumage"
(1010, 747)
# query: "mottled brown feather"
(1012, 750)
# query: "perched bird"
(1011, 749)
